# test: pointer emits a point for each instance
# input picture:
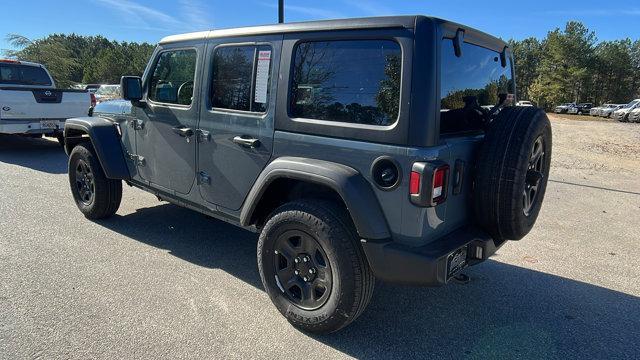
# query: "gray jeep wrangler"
(358, 149)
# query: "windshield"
(631, 104)
(108, 90)
(23, 75)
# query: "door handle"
(183, 131)
(246, 141)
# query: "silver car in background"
(595, 111)
(107, 92)
(622, 114)
(607, 111)
(563, 108)
(634, 115)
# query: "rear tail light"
(428, 183)
(438, 193)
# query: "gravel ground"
(158, 281)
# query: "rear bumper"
(29, 127)
(428, 265)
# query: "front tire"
(96, 196)
(313, 267)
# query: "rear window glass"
(352, 81)
(23, 75)
(477, 78)
(238, 73)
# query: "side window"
(172, 79)
(241, 78)
(477, 78)
(353, 81)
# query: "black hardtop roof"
(402, 21)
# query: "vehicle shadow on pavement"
(505, 311)
(38, 154)
(192, 236)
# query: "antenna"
(280, 11)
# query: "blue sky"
(148, 20)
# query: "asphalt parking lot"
(158, 281)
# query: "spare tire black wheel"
(512, 172)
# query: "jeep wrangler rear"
(358, 149)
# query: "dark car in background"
(580, 109)
(92, 88)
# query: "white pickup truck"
(31, 105)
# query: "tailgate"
(29, 104)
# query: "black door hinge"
(136, 124)
(204, 178)
(137, 159)
(203, 135)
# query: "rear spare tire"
(512, 173)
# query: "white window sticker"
(262, 76)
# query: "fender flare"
(348, 183)
(105, 140)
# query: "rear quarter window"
(476, 78)
(350, 81)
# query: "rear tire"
(96, 196)
(512, 172)
(283, 246)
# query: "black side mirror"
(131, 88)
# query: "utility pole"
(280, 11)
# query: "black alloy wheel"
(85, 184)
(534, 175)
(302, 269)
(312, 265)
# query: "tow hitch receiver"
(461, 279)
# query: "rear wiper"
(502, 101)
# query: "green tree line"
(570, 65)
(75, 59)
